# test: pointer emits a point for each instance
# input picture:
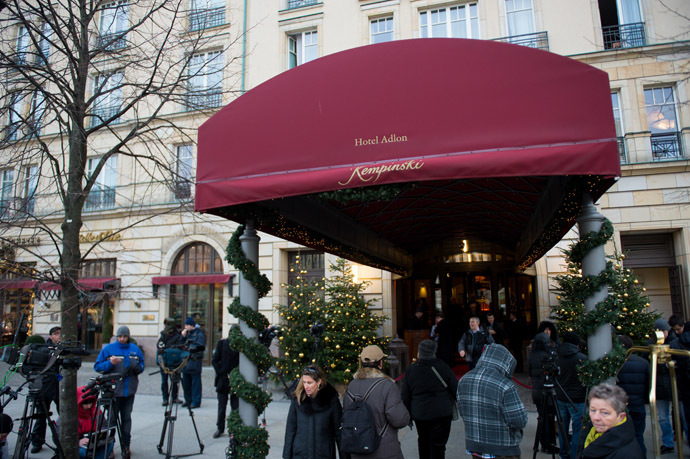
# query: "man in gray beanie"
(428, 392)
(126, 359)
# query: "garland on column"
(625, 306)
(251, 442)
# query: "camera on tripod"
(37, 357)
(317, 329)
(266, 336)
(102, 383)
(549, 367)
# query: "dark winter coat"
(490, 405)
(540, 347)
(616, 443)
(683, 365)
(569, 357)
(633, 377)
(313, 426)
(473, 343)
(224, 360)
(423, 393)
(130, 367)
(387, 406)
(194, 337)
(170, 336)
(447, 344)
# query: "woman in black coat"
(313, 424)
(429, 396)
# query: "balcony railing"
(621, 150)
(183, 190)
(538, 40)
(200, 100)
(300, 3)
(207, 18)
(624, 36)
(666, 147)
(100, 115)
(12, 131)
(112, 41)
(100, 198)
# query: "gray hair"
(613, 395)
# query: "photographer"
(170, 336)
(87, 412)
(124, 358)
(539, 363)
(570, 390)
(195, 340)
(50, 393)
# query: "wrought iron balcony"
(300, 3)
(538, 40)
(624, 36)
(183, 190)
(206, 18)
(666, 147)
(100, 198)
(621, 150)
(100, 115)
(199, 100)
(112, 41)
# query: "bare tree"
(84, 82)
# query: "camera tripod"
(548, 405)
(34, 408)
(103, 420)
(171, 416)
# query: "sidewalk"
(148, 418)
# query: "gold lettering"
(373, 174)
(109, 235)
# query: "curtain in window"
(629, 12)
(520, 17)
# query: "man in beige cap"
(389, 411)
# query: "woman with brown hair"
(313, 424)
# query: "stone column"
(593, 263)
(249, 297)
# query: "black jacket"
(224, 361)
(447, 344)
(473, 343)
(313, 427)
(423, 393)
(616, 443)
(633, 377)
(569, 357)
(540, 347)
(194, 337)
(683, 368)
(170, 336)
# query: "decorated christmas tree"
(342, 323)
(626, 307)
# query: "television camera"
(37, 358)
(317, 329)
(267, 335)
(549, 367)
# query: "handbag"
(453, 402)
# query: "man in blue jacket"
(126, 359)
(193, 337)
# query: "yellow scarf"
(593, 434)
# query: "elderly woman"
(611, 434)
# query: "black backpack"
(358, 429)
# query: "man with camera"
(571, 393)
(50, 393)
(195, 341)
(126, 359)
(169, 337)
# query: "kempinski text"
(367, 174)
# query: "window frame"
(110, 35)
(102, 194)
(472, 25)
(665, 143)
(6, 189)
(202, 67)
(302, 47)
(378, 20)
(516, 12)
(209, 16)
(184, 170)
(107, 102)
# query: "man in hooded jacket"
(490, 405)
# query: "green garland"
(591, 240)
(366, 194)
(250, 442)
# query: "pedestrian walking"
(473, 341)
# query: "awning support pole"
(249, 297)
(593, 263)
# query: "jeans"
(570, 412)
(123, 411)
(101, 453)
(638, 415)
(664, 409)
(432, 437)
(191, 386)
(222, 405)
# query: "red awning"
(408, 110)
(17, 283)
(194, 279)
(96, 283)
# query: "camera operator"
(569, 357)
(224, 360)
(537, 365)
(50, 392)
(87, 413)
(194, 338)
(170, 336)
(124, 358)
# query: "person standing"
(633, 377)
(443, 335)
(495, 329)
(428, 392)
(473, 341)
(313, 423)
(384, 400)
(664, 394)
(570, 392)
(490, 406)
(169, 337)
(193, 337)
(126, 359)
(541, 347)
(515, 329)
(225, 359)
(50, 393)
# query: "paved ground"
(148, 418)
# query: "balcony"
(183, 190)
(112, 41)
(100, 198)
(101, 115)
(199, 100)
(300, 3)
(621, 150)
(624, 36)
(666, 147)
(205, 19)
(538, 40)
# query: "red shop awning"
(18, 284)
(96, 283)
(192, 279)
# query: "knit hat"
(5, 423)
(190, 321)
(54, 329)
(123, 331)
(572, 338)
(661, 324)
(371, 354)
(626, 341)
(427, 349)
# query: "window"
(622, 23)
(44, 44)
(451, 22)
(22, 49)
(205, 81)
(206, 14)
(520, 17)
(98, 268)
(662, 121)
(381, 30)
(113, 25)
(29, 189)
(300, 3)
(108, 91)
(185, 171)
(38, 108)
(6, 185)
(618, 120)
(306, 266)
(102, 194)
(302, 47)
(15, 115)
